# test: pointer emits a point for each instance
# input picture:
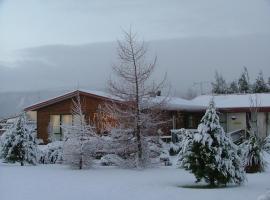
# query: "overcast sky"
(30, 30)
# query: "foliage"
(19, 142)
(211, 155)
(260, 86)
(243, 82)
(233, 88)
(253, 154)
(51, 153)
(80, 139)
(219, 86)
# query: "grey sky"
(192, 39)
(37, 22)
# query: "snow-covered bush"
(51, 153)
(19, 142)
(266, 144)
(115, 160)
(211, 155)
(165, 158)
(121, 142)
(174, 149)
(253, 154)
(79, 139)
(184, 142)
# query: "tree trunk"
(212, 182)
(81, 162)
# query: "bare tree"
(254, 110)
(77, 138)
(133, 86)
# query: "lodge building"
(51, 114)
(236, 112)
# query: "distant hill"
(14, 102)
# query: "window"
(56, 121)
(190, 121)
(66, 119)
(55, 124)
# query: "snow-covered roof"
(177, 103)
(92, 93)
(234, 100)
(101, 94)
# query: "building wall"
(236, 121)
(90, 106)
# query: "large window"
(56, 121)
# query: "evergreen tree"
(219, 86)
(211, 155)
(233, 88)
(243, 82)
(260, 86)
(19, 143)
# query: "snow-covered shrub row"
(210, 154)
(115, 160)
(19, 144)
(51, 153)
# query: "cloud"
(185, 60)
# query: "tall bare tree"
(133, 85)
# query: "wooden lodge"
(51, 114)
(235, 113)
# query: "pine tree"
(211, 155)
(19, 143)
(219, 86)
(243, 82)
(233, 88)
(260, 86)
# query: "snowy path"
(49, 182)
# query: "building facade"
(53, 114)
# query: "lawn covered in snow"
(49, 182)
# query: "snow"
(101, 94)
(233, 100)
(176, 103)
(93, 92)
(57, 182)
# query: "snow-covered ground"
(49, 182)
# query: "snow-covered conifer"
(260, 85)
(233, 88)
(211, 155)
(219, 86)
(243, 82)
(19, 142)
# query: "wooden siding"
(90, 106)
